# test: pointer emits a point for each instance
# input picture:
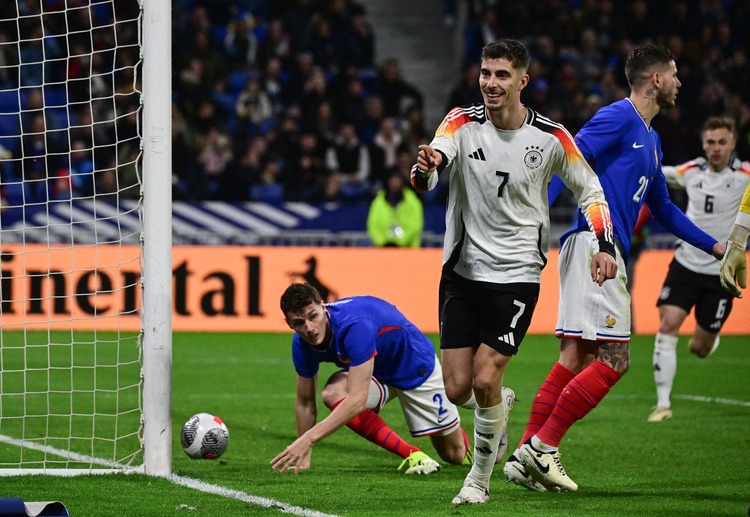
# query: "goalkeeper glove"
(734, 264)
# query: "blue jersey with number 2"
(626, 155)
(365, 327)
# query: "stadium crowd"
(285, 100)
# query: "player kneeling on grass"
(382, 356)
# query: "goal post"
(85, 237)
(157, 288)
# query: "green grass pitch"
(697, 464)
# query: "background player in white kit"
(714, 187)
(501, 157)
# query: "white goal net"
(71, 212)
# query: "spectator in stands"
(304, 171)
(349, 159)
(253, 105)
(215, 154)
(274, 83)
(350, 100)
(81, 170)
(187, 178)
(466, 91)
(299, 74)
(369, 125)
(269, 188)
(323, 45)
(359, 47)
(396, 216)
(385, 145)
(35, 160)
(393, 90)
(413, 129)
(276, 44)
(193, 88)
(240, 43)
(325, 122)
(244, 170)
(707, 40)
(314, 92)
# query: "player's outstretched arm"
(294, 456)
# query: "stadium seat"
(9, 101)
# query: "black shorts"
(688, 289)
(473, 312)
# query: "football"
(204, 436)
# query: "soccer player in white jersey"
(733, 272)
(714, 187)
(500, 156)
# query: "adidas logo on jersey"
(478, 155)
(507, 339)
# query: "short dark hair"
(298, 296)
(510, 49)
(712, 123)
(642, 60)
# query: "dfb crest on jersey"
(533, 158)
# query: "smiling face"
(501, 84)
(311, 323)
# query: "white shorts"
(426, 408)
(586, 310)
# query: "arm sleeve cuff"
(607, 247)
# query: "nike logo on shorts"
(636, 146)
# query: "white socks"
(541, 446)
(471, 403)
(665, 367)
(487, 428)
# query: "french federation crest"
(533, 158)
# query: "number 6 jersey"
(713, 200)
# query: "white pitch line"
(716, 400)
(195, 484)
(34, 446)
(242, 496)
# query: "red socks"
(546, 399)
(582, 394)
(369, 425)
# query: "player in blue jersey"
(594, 321)
(382, 356)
